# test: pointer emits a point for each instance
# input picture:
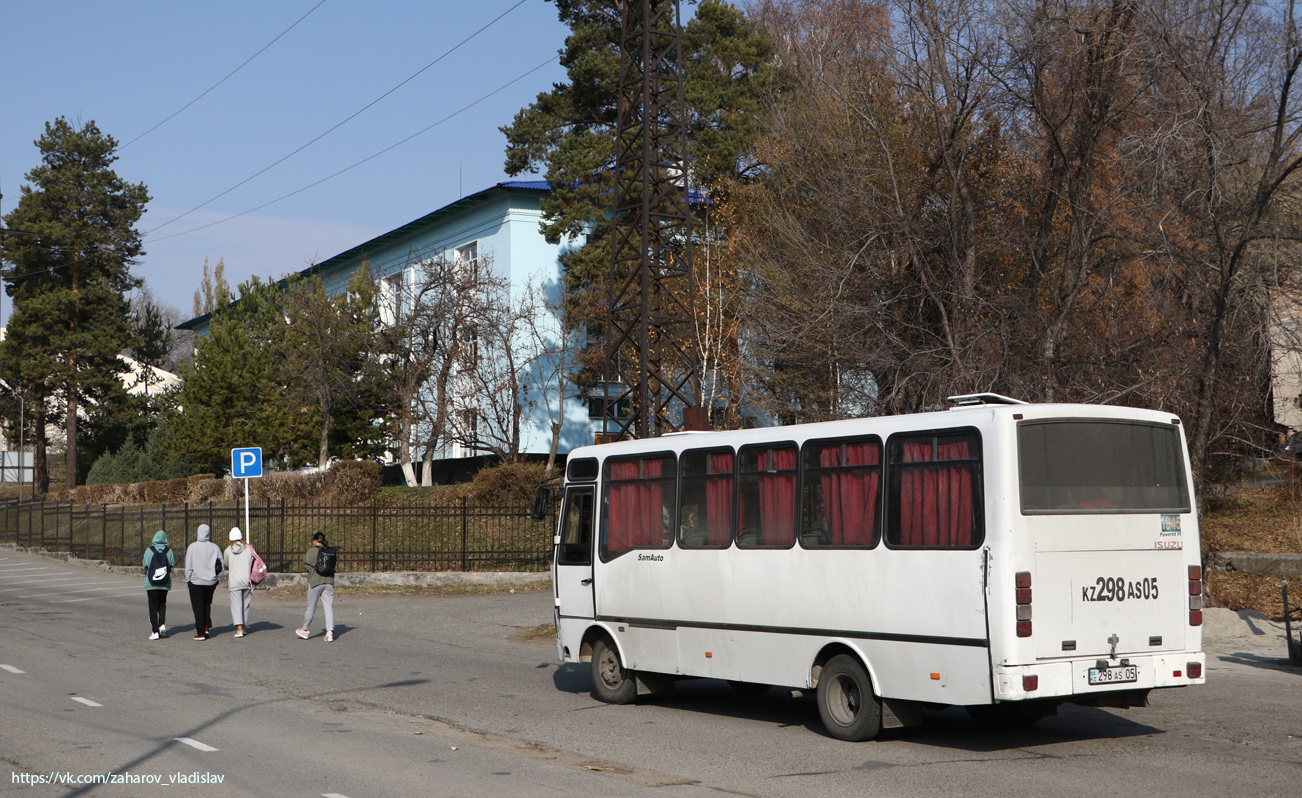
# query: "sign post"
(246, 464)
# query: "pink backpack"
(257, 568)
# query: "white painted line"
(87, 590)
(98, 598)
(194, 744)
(86, 701)
(23, 571)
(332, 795)
(48, 580)
(12, 669)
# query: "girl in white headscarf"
(238, 563)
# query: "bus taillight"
(1195, 595)
(1023, 581)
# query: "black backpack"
(326, 557)
(159, 569)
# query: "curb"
(350, 579)
(1269, 564)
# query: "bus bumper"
(1087, 679)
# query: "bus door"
(574, 554)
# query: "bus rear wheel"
(849, 708)
(612, 682)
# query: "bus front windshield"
(1101, 466)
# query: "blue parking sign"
(246, 462)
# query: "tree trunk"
(323, 456)
(40, 463)
(70, 427)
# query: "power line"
(344, 122)
(223, 80)
(373, 156)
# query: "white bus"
(1001, 556)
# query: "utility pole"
(650, 366)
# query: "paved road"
(444, 696)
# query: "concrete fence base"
(350, 579)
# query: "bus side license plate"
(1118, 675)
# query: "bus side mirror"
(540, 504)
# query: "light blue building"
(498, 226)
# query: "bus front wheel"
(613, 683)
(849, 708)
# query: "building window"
(392, 298)
(466, 259)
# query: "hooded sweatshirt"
(201, 559)
(160, 543)
(238, 563)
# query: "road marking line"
(194, 744)
(12, 669)
(87, 590)
(49, 580)
(22, 571)
(333, 795)
(96, 598)
(86, 701)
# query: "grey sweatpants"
(326, 594)
(240, 601)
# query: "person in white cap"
(238, 562)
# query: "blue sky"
(128, 66)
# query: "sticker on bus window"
(1170, 522)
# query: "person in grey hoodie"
(319, 588)
(203, 563)
(157, 592)
(238, 563)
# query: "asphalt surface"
(462, 695)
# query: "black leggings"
(201, 603)
(157, 608)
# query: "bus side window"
(842, 492)
(576, 529)
(934, 498)
(639, 504)
(706, 499)
(768, 507)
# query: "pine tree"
(69, 282)
(234, 395)
(570, 131)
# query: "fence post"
(464, 556)
(375, 534)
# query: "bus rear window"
(1093, 466)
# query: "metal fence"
(453, 536)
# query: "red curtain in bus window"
(777, 499)
(936, 501)
(718, 499)
(850, 496)
(635, 509)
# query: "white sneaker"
(303, 633)
(330, 637)
(162, 630)
(154, 636)
(239, 634)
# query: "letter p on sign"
(246, 462)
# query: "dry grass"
(1265, 520)
(1240, 591)
(1262, 520)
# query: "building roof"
(416, 225)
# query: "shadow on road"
(949, 728)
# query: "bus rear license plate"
(1118, 675)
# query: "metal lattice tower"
(650, 324)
